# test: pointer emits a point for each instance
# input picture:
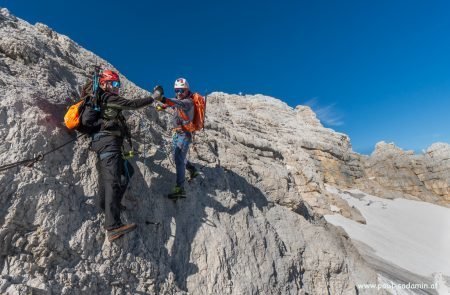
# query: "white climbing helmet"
(181, 83)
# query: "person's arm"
(118, 102)
(184, 104)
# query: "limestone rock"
(253, 224)
(392, 172)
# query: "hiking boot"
(193, 174)
(177, 192)
(114, 234)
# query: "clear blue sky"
(375, 70)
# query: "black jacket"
(113, 127)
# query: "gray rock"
(253, 225)
(392, 172)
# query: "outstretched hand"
(160, 108)
(158, 92)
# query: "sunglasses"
(115, 84)
(179, 91)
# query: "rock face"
(396, 173)
(253, 225)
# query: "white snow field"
(412, 235)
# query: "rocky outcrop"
(435, 173)
(282, 149)
(392, 172)
(253, 225)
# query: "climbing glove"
(158, 93)
(160, 108)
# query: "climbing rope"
(39, 157)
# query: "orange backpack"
(198, 122)
(84, 116)
(72, 118)
(199, 111)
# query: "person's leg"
(189, 166)
(100, 200)
(192, 170)
(125, 176)
(181, 147)
(111, 168)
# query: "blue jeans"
(180, 143)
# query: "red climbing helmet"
(108, 75)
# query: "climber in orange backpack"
(107, 141)
(188, 118)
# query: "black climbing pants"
(114, 173)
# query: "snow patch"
(410, 234)
(442, 285)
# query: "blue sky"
(375, 70)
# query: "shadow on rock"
(179, 221)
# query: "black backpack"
(91, 118)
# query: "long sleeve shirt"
(186, 105)
(112, 106)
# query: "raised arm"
(184, 104)
(117, 102)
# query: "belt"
(105, 155)
(100, 134)
(180, 130)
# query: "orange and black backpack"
(85, 115)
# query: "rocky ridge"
(254, 224)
